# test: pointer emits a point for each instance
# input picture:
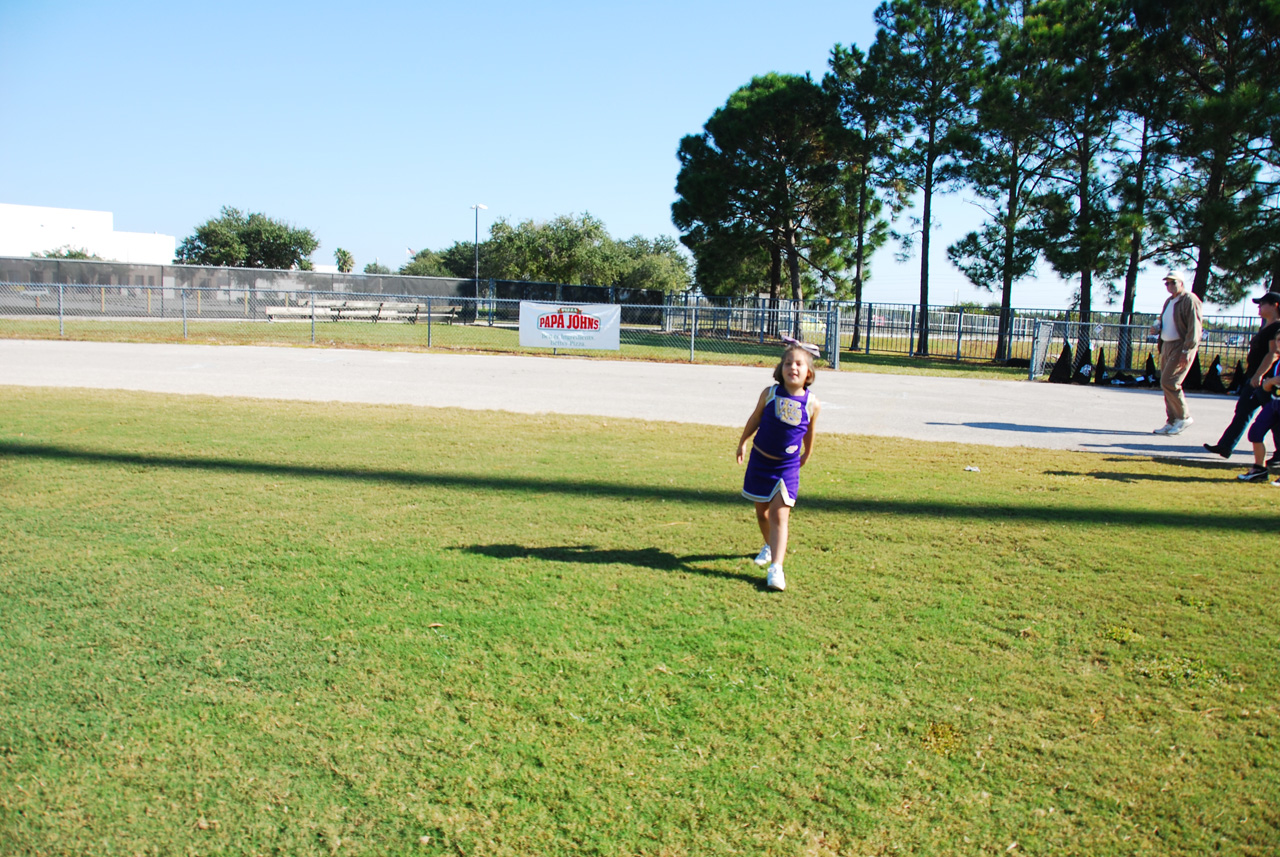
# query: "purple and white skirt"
(766, 477)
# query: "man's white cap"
(1177, 276)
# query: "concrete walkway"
(996, 413)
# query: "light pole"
(476, 208)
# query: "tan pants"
(1173, 371)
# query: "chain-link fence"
(1115, 349)
(685, 327)
(231, 315)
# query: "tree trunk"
(922, 350)
(1208, 229)
(1010, 250)
(1006, 292)
(775, 286)
(855, 342)
(1084, 349)
(793, 270)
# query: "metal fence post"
(61, 329)
(867, 321)
(911, 334)
(959, 332)
(184, 313)
(693, 329)
(1035, 344)
(833, 335)
(311, 298)
(428, 321)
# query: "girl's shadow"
(658, 560)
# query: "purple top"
(783, 423)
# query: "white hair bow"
(812, 349)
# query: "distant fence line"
(38, 271)
(677, 330)
(125, 294)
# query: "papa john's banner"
(560, 325)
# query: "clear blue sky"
(378, 125)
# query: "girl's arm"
(753, 423)
(808, 435)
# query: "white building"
(27, 229)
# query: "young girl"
(783, 426)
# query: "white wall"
(27, 229)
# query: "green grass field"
(245, 627)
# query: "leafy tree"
(459, 259)
(656, 264)
(932, 51)
(376, 268)
(870, 187)
(424, 263)
(345, 261)
(68, 252)
(566, 249)
(1003, 163)
(1142, 158)
(1071, 49)
(234, 239)
(1223, 57)
(563, 250)
(764, 176)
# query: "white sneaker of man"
(1164, 429)
(1179, 426)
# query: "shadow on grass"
(1131, 478)
(1034, 429)
(652, 558)
(1209, 471)
(930, 508)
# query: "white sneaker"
(1164, 429)
(775, 580)
(764, 557)
(1179, 426)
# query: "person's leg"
(779, 516)
(762, 518)
(1171, 377)
(1262, 425)
(1246, 405)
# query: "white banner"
(561, 325)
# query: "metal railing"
(681, 329)
(1119, 348)
(231, 315)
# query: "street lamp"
(476, 208)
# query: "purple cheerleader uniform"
(783, 425)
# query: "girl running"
(783, 426)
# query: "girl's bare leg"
(762, 518)
(779, 518)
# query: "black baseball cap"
(1269, 298)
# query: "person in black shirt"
(1257, 364)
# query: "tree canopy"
(1097, 136)
(762, 181)
(569, 249)
(238, 240)
(68, 252)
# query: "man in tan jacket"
(1179, 329)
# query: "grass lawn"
(244, 627)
